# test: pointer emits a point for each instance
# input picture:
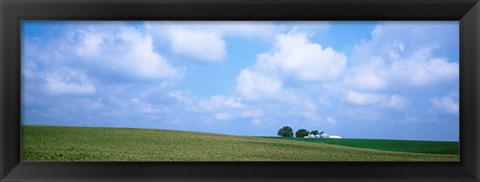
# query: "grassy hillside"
(432, 147)
(48, 143)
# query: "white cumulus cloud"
(448, 104)
(419, 73)
(205, 41)
(255, 85)
(129, 51)
(211, 104)
(294, 54)
(406, 54)
(103, 50)
(361, 98)
(397, 102)
(367, 76)
(368, 98)
(70, 82)
(365, 80)
(199, 45)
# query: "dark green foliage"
(301, 133)
(314, 132)
(286, 131)
(431, 147)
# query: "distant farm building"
(324, 135)
(334, 136)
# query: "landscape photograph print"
(366, 91)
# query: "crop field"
(53, 143)
(432, 147)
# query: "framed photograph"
(239, 90)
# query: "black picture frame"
(12, 12)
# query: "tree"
(314, 132)
(286, 131)
(301, 133)
(322, 133)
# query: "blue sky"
(391, 80)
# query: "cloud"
(371, 76)
(397, 102)
(258, 118)
(408, 54)
(263, 30)
(331, 121)
(448, 104)
(222, 108)
(420, 69)
(196, 44)
(364, 114)
(396, 57)
(205, 41)
(223, 116)
(367, 98)
(295, 55)
(68, 82)
(292, 56)
(361, 98)
(212, 104)
(90, 44)
(253, 113)
(143, 107)
(420, 72)
(308, 110)
(218, 102)
(365, 80)
(130, 52)
(409, 119)
(396, 40)
(113, 49)
(256, 85)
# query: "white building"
(324, 135)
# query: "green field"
(51, 143)
(431, 147)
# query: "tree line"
(287, 131)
